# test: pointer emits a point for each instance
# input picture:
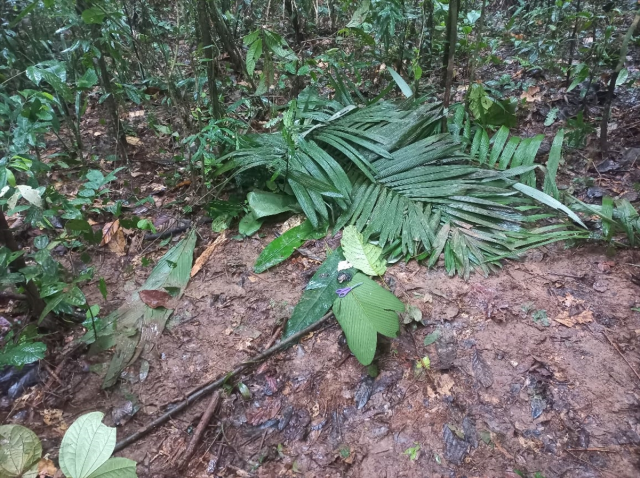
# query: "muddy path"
(528, 373)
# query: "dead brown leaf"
(133, 141)
(109, 230)
(204, 257)
(444, 384)
(51, 416)
(155, 298)
(136, 114)
(583, 317)
(118, 243)
(532, 94)
(46, 468)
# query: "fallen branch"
(183, 226)
(621, 355)
(217, 384)
(197, 435)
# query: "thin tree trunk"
(604, 126)
(225, 36)
(572, 43)
(209, 51)
(453, 30)
(36, 304)
(292, 13)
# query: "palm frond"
(387, 170)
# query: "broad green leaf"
(92, 16)
(254, 53)
(622, 76)
(282, 247)
(22, 353)
(360, 15)
(548, 200)
(404, 87)
(318, 296)
(86, 446)
(20, 449)
(102, 285)
(365, 311)
(31, 195)
(365, 257)
(555, 156)
(249, 225)
(116, 467)
(269, 204)
(88, 80)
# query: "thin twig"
(197, 435)
(600, 450)
(621, 355)
(217, 384)
(589, 464)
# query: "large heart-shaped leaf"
(86, 446)
(20, 449)
(363, 256)
(116, 468)
(365, 311)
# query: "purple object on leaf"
(342, 293)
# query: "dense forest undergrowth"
(375, 238)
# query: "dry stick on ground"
(204, 421)
(218, 383)
(621, 355)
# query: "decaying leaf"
(109, 230)
(155, 298)
(118, 243)
(46, 468)
(583, 317)
(204, 257)
(134, 325)
(133, 141)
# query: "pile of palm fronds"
(388, 170)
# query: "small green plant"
(84, 453)
(540, 317)
(413, 452)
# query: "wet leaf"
(282, 247)
(155, 298)
(318, 296)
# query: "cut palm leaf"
(134, 326)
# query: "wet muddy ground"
(528, 373)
